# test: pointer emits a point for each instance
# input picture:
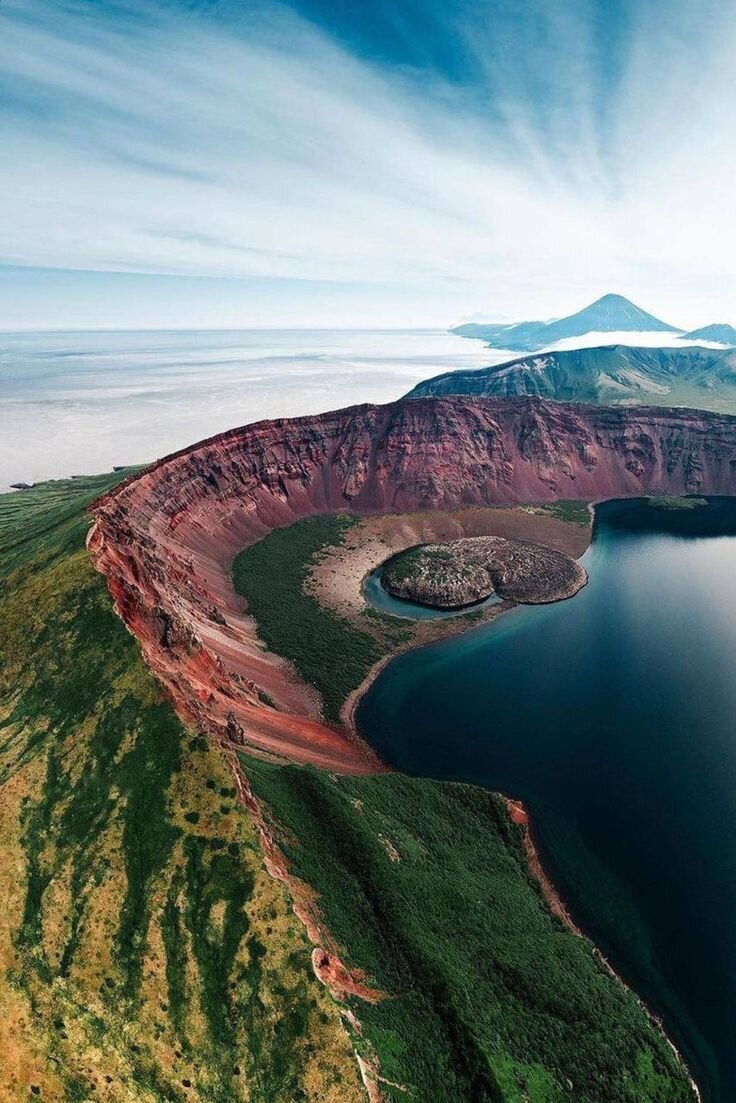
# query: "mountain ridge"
(610, 313)
(618, 374)
(720, 332)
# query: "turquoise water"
(613, 717)
(381, 599)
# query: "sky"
(195, 163)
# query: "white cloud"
(271, 153)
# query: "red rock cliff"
(166, 538)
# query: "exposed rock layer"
(165, 539)
(461, 572)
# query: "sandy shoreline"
(336, 581)
(342, 590)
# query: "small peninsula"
(464, 572)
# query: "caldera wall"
(165, 539)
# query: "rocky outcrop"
(166, 537)
(462, 572)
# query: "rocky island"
(464, 572)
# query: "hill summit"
(721, 333)
(609, 314)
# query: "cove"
(381, 599)
(613, 717)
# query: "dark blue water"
(613, 717)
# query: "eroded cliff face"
(166, 538)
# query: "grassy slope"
(567, 509)
(490, 999)
(271, 572)
(145, 954)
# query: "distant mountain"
(723, 334)
(613, 374)
(611, 314)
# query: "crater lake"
(612, 716)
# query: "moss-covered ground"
(145, 953)
(426, 887)
(271, 576)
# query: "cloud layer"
(464, 159)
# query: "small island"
(467, 571)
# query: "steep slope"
(155, 943)
(722, 333)
(166, 539)
(146, 953)
(609, 314)
(700, 377)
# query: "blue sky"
(399, 162)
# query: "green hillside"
(147, 955)
(690, 376)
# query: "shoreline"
(516, 809)
(353, 699)
(336, 580)
(519, 815)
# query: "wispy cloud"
(533, 153)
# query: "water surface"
(612, 716)
(76, 403)
(381, 599)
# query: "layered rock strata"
(165, 539)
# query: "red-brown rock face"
(166, 538)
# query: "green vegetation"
(145, 953)
(426, 887)
(439, 562)
(47, 519)
(675, 501)
(488, 996)
(567, 509)
(146, 956)
(329, 652)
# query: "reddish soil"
(520, 816)
(165, 539)
(326, 961)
